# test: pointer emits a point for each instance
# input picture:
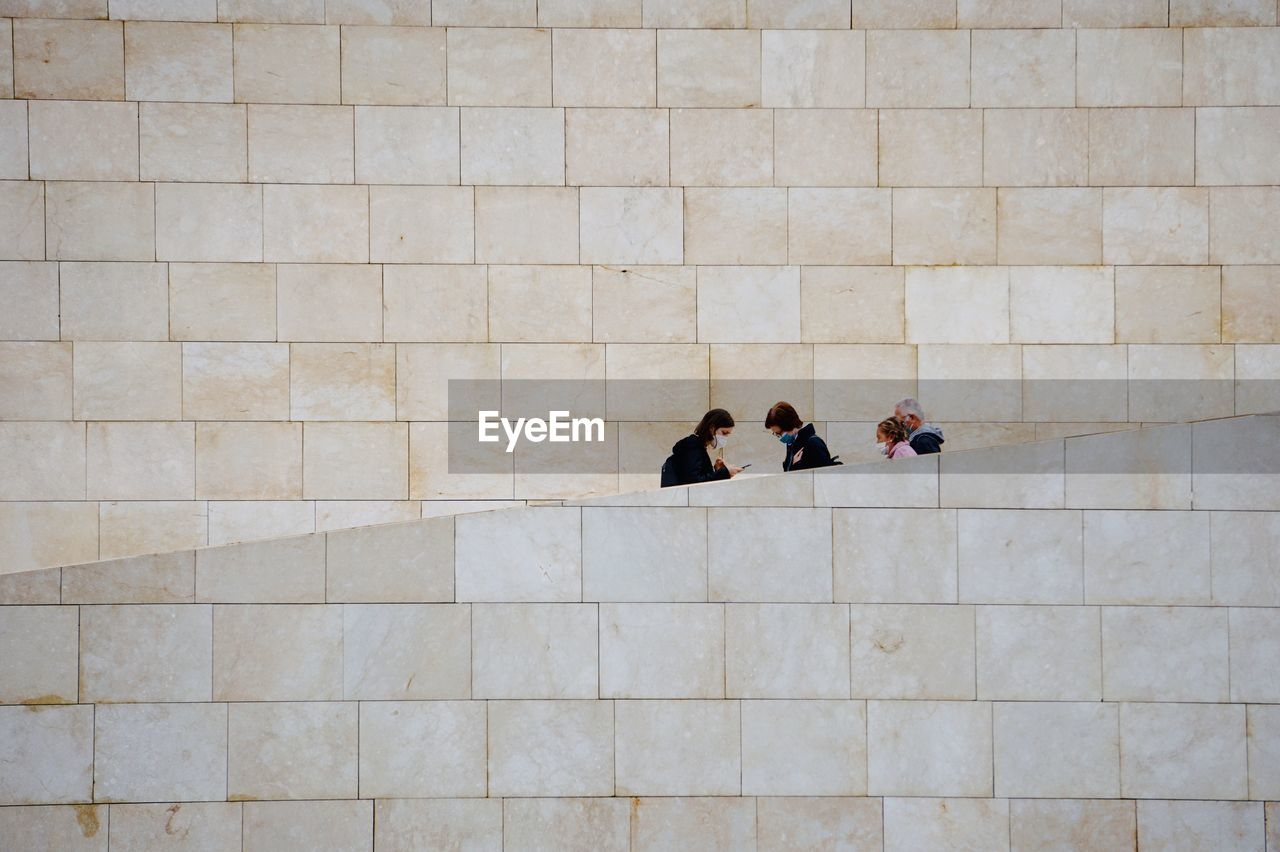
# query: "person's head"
(890, 432)
(782, 419)
(715, 426)
(910, 413)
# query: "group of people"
(903, 435)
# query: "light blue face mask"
(787, 438)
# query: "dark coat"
(927, 439)
(689, 463)
(815, 449)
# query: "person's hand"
(797, 456)
(734, 471)
(718, 463)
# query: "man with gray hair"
(925, 438)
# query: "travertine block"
(1142, 147)
(235, 381)
(355, 461)
(329, 302)
(1091, 823)
(1151, 367)
(1156, 226)
(759, 305)
(1063, 304)
(499, 67)
(1127, 67)
(159, 578)
(1200, 825)
(826, 147)
(617, 147)
(1168, 304)
(1146, 557)
(798, 14)
(403, 652)
(29, 587)
(661, 823)
(917, 68)
(1224, 66)
(130, 527)
(595, 13)
(429, 466)
(624, 225)
(159, 752)
(406, 824)
(160, 652)
(1015, 557)
(275, 825)
(277, 653)
(413, 145)
(1255, 640)
(74, 828)
(916, 652)
(288, 570)
(484, 13)
(1140, 469)
(1185, 751)
(22, 215)
(36, 381)
(1246, 224)
(535, 651)
(341, 381)
(909, 14)
(539, 557)
(595, 822)
(41, 653)
(812, 68)
(643, 304)
(209, 222)
(735, 226)
(977, 382)
(1036, 147)
(1024, 68)
(287, 64)
(644, 554)
(699, 156)
(839, 226)
(944, 226)
(14, 135)
(532, 304)
(436, 303)
(513, 146)
(393, 65)
(713, 14)
(661, 650)
(303, 750)
(127, 381)
(68, 59)
(604, 67)
(1049, 225)
(37, 535)
(786, 651)
(678, 748)
(916, 823)
(404, 562)
(6, 60)
(922, 748)
(249, 461)
(291, 143)
(1008, 13)
(315, 224)
(83, 140)
(114, 301)
(193, 142)
(424, 372)
(804, 748)
(43, 461)
(895, 555)
(550, 748)
(31, 292)
(96, 221)
(1057, 749)
(216, 824)
(232, 521)
(709, 68)
(851, 823)
(839, 303)
(957, 305)
(1264, 748)
(526, 225)
(49, 752)
(167, 61)
(1045, 653)
(1222, 13)
(930, 147)
(1164, 654)
(770, 555)
(272, 11)
(414, 749)
(1234, 145)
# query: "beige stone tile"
(291, 143)
(550, 748)
(513, 146)
(617, 147)
(895, 555)
(287, 64)
(276, 825)
(36, 380)
(717, 822)
(239, 573)
(735, 226)
(424, 371)
(392, 65)
(1224, 66)
(972, 382)
(643, 304)
(1152, 365)
(917, 652)
(827, 147)
(193, 142)
(1142, 147)
(50, 754)
(812, 68)
(232, 521)
(435, 303)
(114, 301)
(1234, 145)
(538, 823)
(921, 748)
(787, 651)
(43, 461)
(1127, 67)
(604, 68)
(316, 224)
(1164, 226)
(131, 527)
(1065, 304)
(709, 68)
(532, 304)
(791, 562)
(930, 147)
(499, 67)
(1222, 13)
(1024, 68)
(631, 225)
(341, 381)
(158, 578)
(1164, 654)
(6, 60)
(1244, 224)
(160, 652)
(678, 748)
(213, 826)
(957, 305)
(422, 748)
(804, 748)
(1183, 751)
(596, 13)
(412, 562)
(38, 535)
(272, 11)
(917, 68)
(277, 653)
(72, 828)
(1255, 638)
(429, 476)
(68, 59)
(149, 752)
(944, 226)
(839, 226)
(1008, 13)
(1080, 824)
(1103, 13)
(757, 305)
(97, 221)
(291, 751)
(406, 824)
(798, 14)
(167, 61)
(414, 145)
(329, 302)
(1049, 225)
(29, 587)
(535, 651)
(1110, 471)
(209, 222)
(541, 560)
(30, 290)
(22, 214)
(1148, 558)
(661, 556)
(1168, 304)
(655, 383)
(165, 10)
(526, 225)
(235, 381)
(1249, 310)
(909, 14)
(1257, 367)
(127, 381)
(1036, 147)
(402, 652)
(1057, 749)
(839, 303)
(791, 822)
(355, 461)
(712, 14)
(249, 461)
(654, 650)
(1264, 737)
(736, 385)
(484, 13)
(700, 158)
(14, 134)
(1196, 825)
(83, 140)
(1020, 556)
(41, 655)
(1044, 653)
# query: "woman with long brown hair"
(689, 461)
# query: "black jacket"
(815, 449)
(927, 439)
(689, 463)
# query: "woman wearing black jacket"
(689, 462)
(805, 450)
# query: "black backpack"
(669, 472)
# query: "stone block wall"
(243, 243)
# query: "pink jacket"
(902, 450)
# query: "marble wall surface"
(244, 242)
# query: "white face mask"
(720, 441)
(883, 446)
